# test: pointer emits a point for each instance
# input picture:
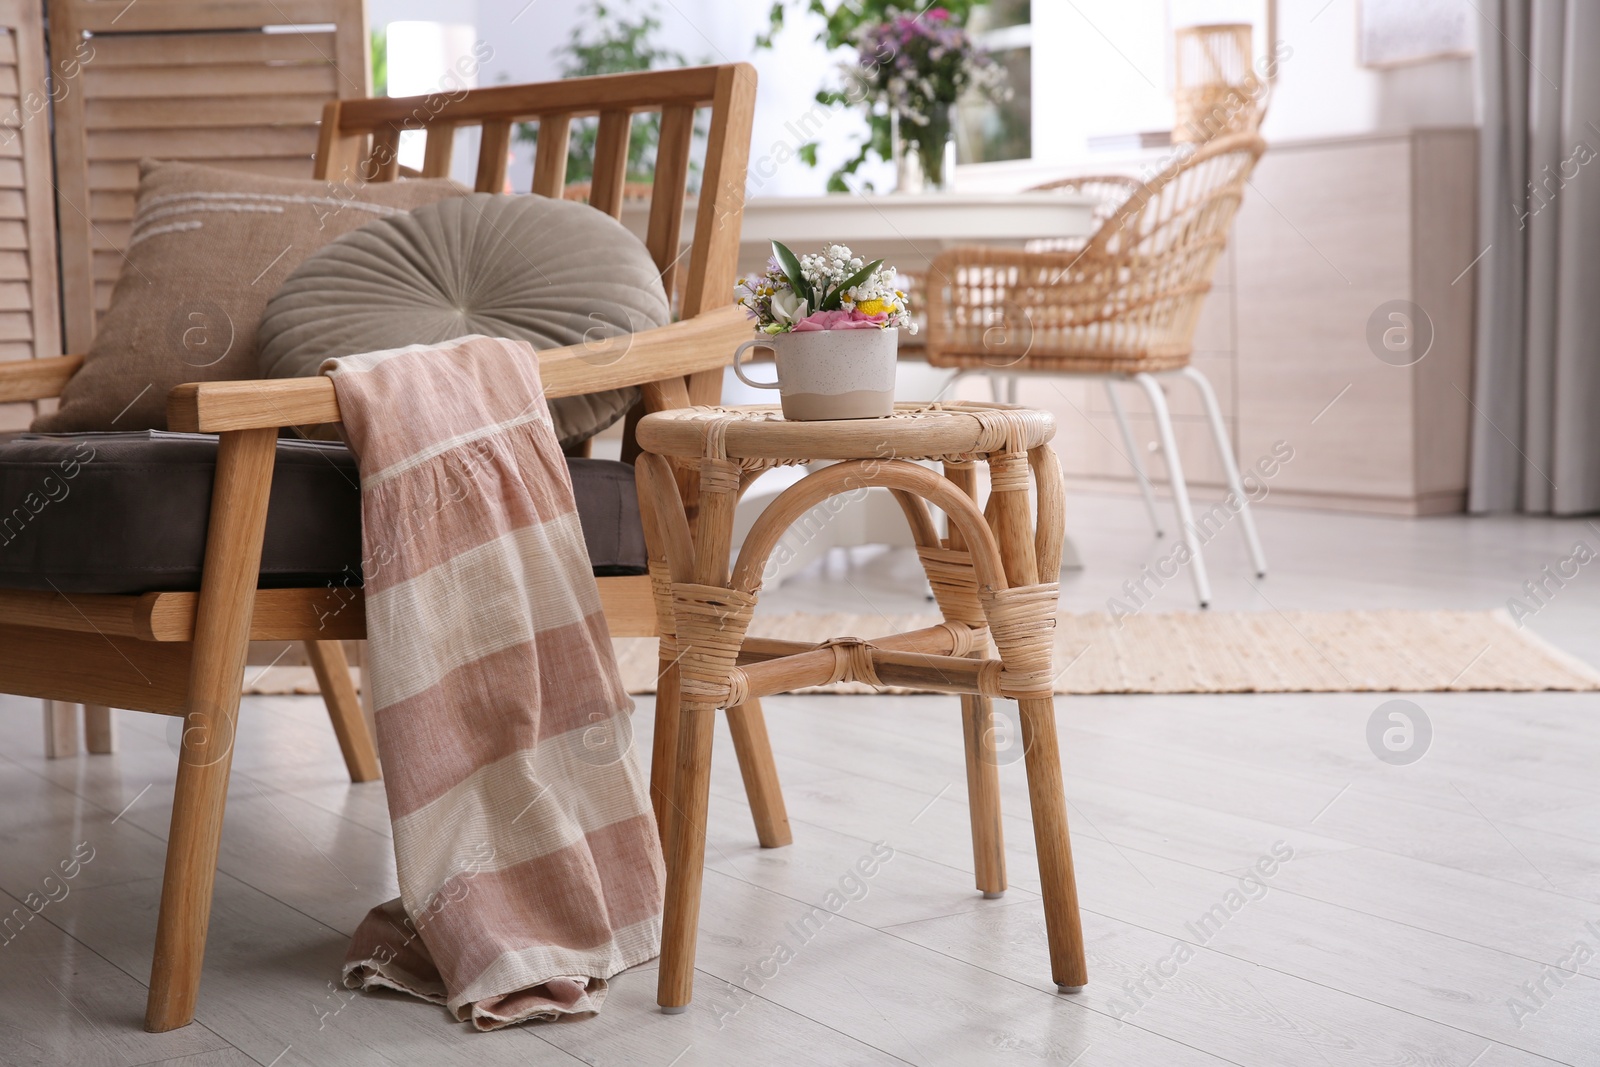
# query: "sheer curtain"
(1536, 425)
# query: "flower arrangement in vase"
(833, 325)
(919, 65)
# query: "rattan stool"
(986, 577)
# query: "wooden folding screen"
(29, 310)
(237, 84)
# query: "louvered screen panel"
(237, 84)
(29, 313)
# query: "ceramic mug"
(830, 374)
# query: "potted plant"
(833, 325)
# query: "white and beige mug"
(830, 374)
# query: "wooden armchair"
(183, 653)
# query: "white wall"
(1322, 90)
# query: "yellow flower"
(874, 307)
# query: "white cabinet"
(1330, 232)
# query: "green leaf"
(855, 279)
(791, 270)
(808, 153)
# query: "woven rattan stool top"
(757, 437)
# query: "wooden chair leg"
(222, 638)
(60, 729)
(344, 708)
(99, 730)
(761, 788)
(983, 796)
(686, 859)
(1048, 799)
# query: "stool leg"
(686, 858)
(983, 773)
(1048, 799)
(664, 750)
(754, 749)
(1013, 529)
(983, 796)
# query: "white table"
(906, 231)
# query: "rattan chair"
(1109, 192)
(1124, 307)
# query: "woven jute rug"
(1239, 652)
(1201, 652)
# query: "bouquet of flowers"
(919, 64)
(832, 290)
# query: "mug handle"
(738, 368)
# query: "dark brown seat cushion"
(126, 513)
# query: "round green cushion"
(550, 272)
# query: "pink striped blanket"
(526, 850)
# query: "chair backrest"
(1108, 192)
(225, 84)
(360, 141)
(1159, 248)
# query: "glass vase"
(924, 150)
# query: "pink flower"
(938, 14)
(840, 320)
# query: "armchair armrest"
(705, 342)
(36, 379)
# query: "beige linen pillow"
(208, 247)
(549, 272)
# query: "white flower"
(787, 306)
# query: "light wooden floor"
(1417, 902)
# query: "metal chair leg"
(1180, 488)
(1219, 434)
(1135, 460)
(997, 386)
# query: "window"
(989, 131)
